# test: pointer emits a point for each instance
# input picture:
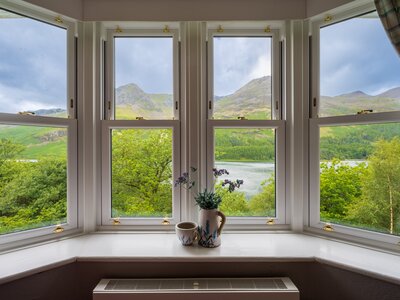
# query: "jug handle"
(223, 220)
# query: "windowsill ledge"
(273, 247)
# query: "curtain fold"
(389, 13)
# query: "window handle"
(27, 113)
(364, 111)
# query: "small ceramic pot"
(186, 232)
(211, 222)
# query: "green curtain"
(389, 13)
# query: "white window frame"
(110, 123)
(315, 123)
(69, 123)
(275, 123)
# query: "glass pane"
(33, 66)
(144, 78)
(247, 154)
(141, 173)
(360, 69)
(359, 176)
(33, 177)
(242, 77)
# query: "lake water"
(252, 174)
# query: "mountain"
(253, 100)
(54, 112)
(392, 93)
(132, 101)
(351, 103)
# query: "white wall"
(195, 10)
(70, 8)
(315, 7)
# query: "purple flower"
(219, 172)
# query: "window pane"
(33, 177)
(242, 77)
(359, 68)
(33, 66)
(359, 176)
(248, 154)
(141, 173)
(144, 78)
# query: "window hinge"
(328, 227)
(139, 118)
(241, 118)
(71, 103)
(58, 229)
(165, 221)
(270, 222)
(364, 111)
(27, 113)
(116, 221)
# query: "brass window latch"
(270, 222)
(116, 221)
(58, 229)
(27, 113)
(328, 227)
(364, 111)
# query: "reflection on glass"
(242, 77)
(359, 68)
(33, 68)
(247, 154)
(141, 172)
(359, 176)
(33, 177)
(144, 78)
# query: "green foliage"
(263, 204)
(142, 172)
(32, 193)
(340, 185)
(208, 199)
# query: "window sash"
(280, 153)
(275, 65)
(314, 183)
(72, 173)
(110, 65)
(107, 126)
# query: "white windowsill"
(266, 247)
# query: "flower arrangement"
(208, 199)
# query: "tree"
(340, 185)
(379, 206)
(142, 172)
(263, 204)
(233, 204)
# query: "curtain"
(389, 13)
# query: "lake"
(252, 174)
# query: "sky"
(32, 65)
(355, 55)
